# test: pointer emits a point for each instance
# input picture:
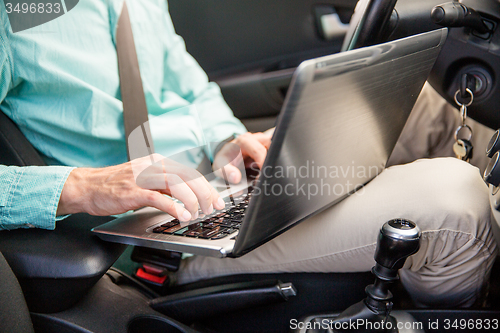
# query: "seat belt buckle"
(155, 265)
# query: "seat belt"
(135, 111)
(135, 114)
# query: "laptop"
(339, 123)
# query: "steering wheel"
(368, 23)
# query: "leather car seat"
(14, 314)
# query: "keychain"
(463, 147)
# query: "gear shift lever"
(398, 239)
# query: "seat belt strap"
(135, 111)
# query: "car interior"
(66, 280)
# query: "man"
(60, 85)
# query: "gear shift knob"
(398, 239)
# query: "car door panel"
(251, 47)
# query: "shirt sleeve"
(29, 196)
(184, 76)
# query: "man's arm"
(35, 196)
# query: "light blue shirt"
(60, 84)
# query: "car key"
(463, 149)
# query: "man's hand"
(118, 189)
(244, 151)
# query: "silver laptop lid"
(340, 122)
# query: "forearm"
(76, 192)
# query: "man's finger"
(263, 138)
(217, 200)
(230, 154)
(180, 190)
(207, 198)
(269, 132)
(151, 177)
(161, 202)
(231, 173)
(253, 148)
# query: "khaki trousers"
(446, 197)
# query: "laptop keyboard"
(217, 225)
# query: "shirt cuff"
(217, 146)
(30, 196)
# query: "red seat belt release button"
(141, 273)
